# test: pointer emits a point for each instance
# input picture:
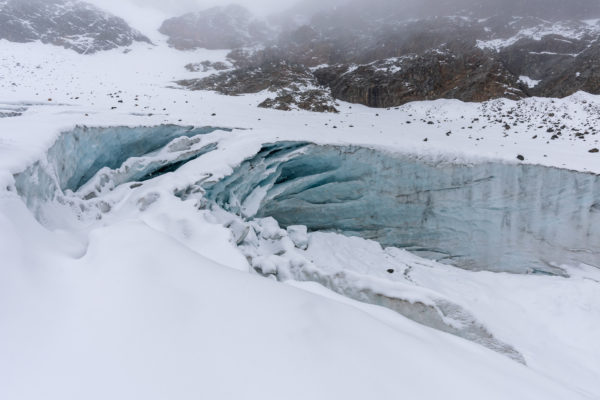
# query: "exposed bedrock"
(488, 216)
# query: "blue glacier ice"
(79, 154)
(486, 216)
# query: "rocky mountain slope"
(384, 55)
(71, 24)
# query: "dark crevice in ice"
(82, 153)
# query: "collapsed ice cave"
(487, 216)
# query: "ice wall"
(79, 155)
(488, 216)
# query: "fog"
(175, 7)
(366, 8)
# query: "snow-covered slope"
(132, 283)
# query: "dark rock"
(206, 66)
(316, 100)
(294, 86)
(433, 75)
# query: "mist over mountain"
(226, 27)
(403, 9)
(380, 53)
(385, 53)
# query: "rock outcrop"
(468, 77)
(292, 85)
(71, 24)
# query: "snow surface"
(573, 30)
(154, 299)
(531, 83)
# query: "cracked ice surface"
(87, 156)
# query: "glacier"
(490, 216)
(136, 284)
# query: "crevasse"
(85, 156)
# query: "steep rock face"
(489, 216)
(581, 73)
(71, 24)
(451, 57)
(434, 75)
(217, 28)
(274, 76)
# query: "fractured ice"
(101, 158)
(486, 216)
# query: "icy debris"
(270, 229)
(288, 255)
(269, 265)
(94, 160)
(299, 235)
(145, 202)
(147, 167)
(239, 230)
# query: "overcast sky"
(150, 13)
(179, 6)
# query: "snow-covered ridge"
(565, 30)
